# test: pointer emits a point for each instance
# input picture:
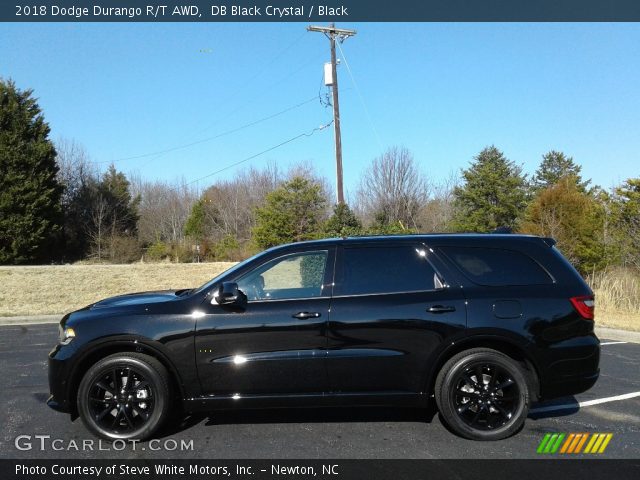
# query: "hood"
(137, 299)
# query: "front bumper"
(59, 377)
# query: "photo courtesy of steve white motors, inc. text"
(176, 470)
(176, 11)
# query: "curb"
(619, 335)
(30, 320)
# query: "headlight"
(66, 335)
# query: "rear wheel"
(482, 394)
(124, 396)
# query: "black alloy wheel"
(485, 396)
(121, 400)
(124, 396)
(482, 394)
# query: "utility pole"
(331, 32)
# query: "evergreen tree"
(556, 166)
(493, 194)
(114, 217)
(343, 222)
(292, 213)
(625, 212)
(122, 208)
(30, 212)
(195, 226)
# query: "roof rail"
(503, 230)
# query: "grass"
(617, 293)
(45, 290)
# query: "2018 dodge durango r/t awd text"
(484, 324)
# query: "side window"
(370, 270)
(293, 276)
(497, 267)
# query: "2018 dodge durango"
(483, 324)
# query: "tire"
(133, 407)
(482, 394)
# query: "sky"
(443, 90)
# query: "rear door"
(390, 311)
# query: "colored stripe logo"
(573, 443)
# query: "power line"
(248, 80)
(222, 134)
(364, 105)
(250, 100)
(317, 129)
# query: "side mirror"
(230, 294)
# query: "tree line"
(57, 206)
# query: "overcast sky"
(444, 91)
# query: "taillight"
(585, 305)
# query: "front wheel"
(482, 394)
(124, 396)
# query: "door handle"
(306, 315)
(441, 309)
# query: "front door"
(277, 343)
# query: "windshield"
(236, 267)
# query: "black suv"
(483, 323)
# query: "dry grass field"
(617, 298)
(43, 290)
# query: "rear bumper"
(570, 385)
(574, 367)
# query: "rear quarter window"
(496, 267)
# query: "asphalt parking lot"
(612, 406)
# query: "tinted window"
(289, 277)
(497, 267)
(385, 270)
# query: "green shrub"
(158, 251)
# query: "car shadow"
(40, 397)
(300, 415)
(180, 423)
(549, 409)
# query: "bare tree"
(75, 169)
(163, 209)
(437, 213)
(98, 228)
(80, 178)
(230, 204)
(393, 189)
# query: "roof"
(479, 239)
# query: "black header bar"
(320, 11)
